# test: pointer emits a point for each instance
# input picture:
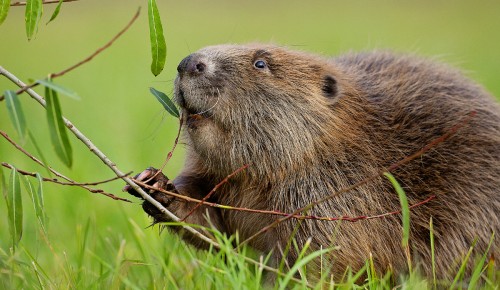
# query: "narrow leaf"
(40, 207)
(4, 9)
(59, 88)
(33, 13)
(3, 184)
(16, 113)
(56, 11)
(36, 198)
(405, 210)
(57, 129)
(40, 153)
(15, 208)
(158, 45)
(166, 102)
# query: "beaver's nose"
(191, 65)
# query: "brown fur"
(310, 126)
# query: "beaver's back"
(414, 102)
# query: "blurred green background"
(123, 119)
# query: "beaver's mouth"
(194, 116)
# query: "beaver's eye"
(260, 64)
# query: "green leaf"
(56, 11)
(15, 208)
(33, 13)
(405, 210)
(37, 199)
(59, 88)
(40, 154)
(4, 9)
(16, 113)
(3, 184)
(158, 45)
(58, 133)
(166, 102)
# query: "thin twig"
(169, 155)
(70, 181)
(279, 213)
(426, 148)
(108, 162)
(89, 58)
(215, 189)
(53, 180)
(44, 2)
(129, 181)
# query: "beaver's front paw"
(156, 180)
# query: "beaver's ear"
(329, 87)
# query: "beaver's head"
(256, 104)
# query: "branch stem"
(43, 2)
(106, 160)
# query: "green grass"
(95, 242)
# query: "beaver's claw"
(155, 180)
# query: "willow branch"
(87, 59)
(70, 181)
(53, 180)
(297, 216)
(43, 2)
(107, 161)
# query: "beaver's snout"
(192, 65)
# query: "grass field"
(96, 242)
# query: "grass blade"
(166, 102)
(433, 256)
(33, 13)
(15, 208)
(16, 113)
(56, 11)
(58, 88)
(57, 129)
(299, 264)
(461, 271)
(4, 9)
(479, 267)
(158, 45)
(405, 210)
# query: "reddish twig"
(70, 181)
(89, 58)
(279, 213)
(44, 2)
(53, 180)
(169, 155)
(215, 189)
(426, 148)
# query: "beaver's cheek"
(195, 121)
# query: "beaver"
(309, 126)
